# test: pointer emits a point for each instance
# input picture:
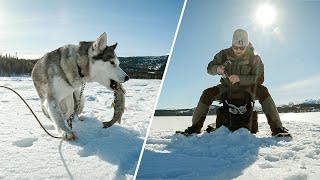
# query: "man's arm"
(214, 64)
(257, 73)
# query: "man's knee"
(261, 92)
(208, 95)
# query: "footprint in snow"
(271, 158)
(32, 98)
(49, 127)
(265, 165)
(25, 142)
(297, 148)
(91, 98)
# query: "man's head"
(240, 42)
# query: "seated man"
(241, 70)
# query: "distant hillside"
(309, 105)
(145, 67)
(139, 67)
(299, 108)
(182, 112)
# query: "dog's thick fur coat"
(59, 74)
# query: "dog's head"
(105, 63)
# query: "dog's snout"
(126, 78)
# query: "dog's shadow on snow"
(116, 145)
(218, 155)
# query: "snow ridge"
(226, 155)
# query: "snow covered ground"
(26, 152)
(237, 155)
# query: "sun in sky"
(265, 15)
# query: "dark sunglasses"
(237, 48)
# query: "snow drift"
(112, 153)
(238, 155)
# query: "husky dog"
(59, 74)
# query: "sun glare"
(265, 15)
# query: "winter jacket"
(250, 68)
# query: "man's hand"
(220, 70)
(234, 79)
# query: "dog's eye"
(111, 62)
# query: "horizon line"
(33, 58)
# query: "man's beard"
(238, 56)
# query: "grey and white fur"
(59, 74)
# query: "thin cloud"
(30, 20)
(308, 83)
(297, 91)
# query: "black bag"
(237, 112)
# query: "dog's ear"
(84, 47)
(101, 42)
(113, 47)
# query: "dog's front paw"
(69, 136)
(82, 118)
(107, 124)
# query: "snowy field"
(27, 152)
(239, 155)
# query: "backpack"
(237, 112)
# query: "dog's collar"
(79, 71)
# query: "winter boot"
(211, 127)
(270, 110)
(279, 131)
(198, 118)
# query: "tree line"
(135, 67)
(11, 65)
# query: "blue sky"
(141, 27)
(289, 49)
